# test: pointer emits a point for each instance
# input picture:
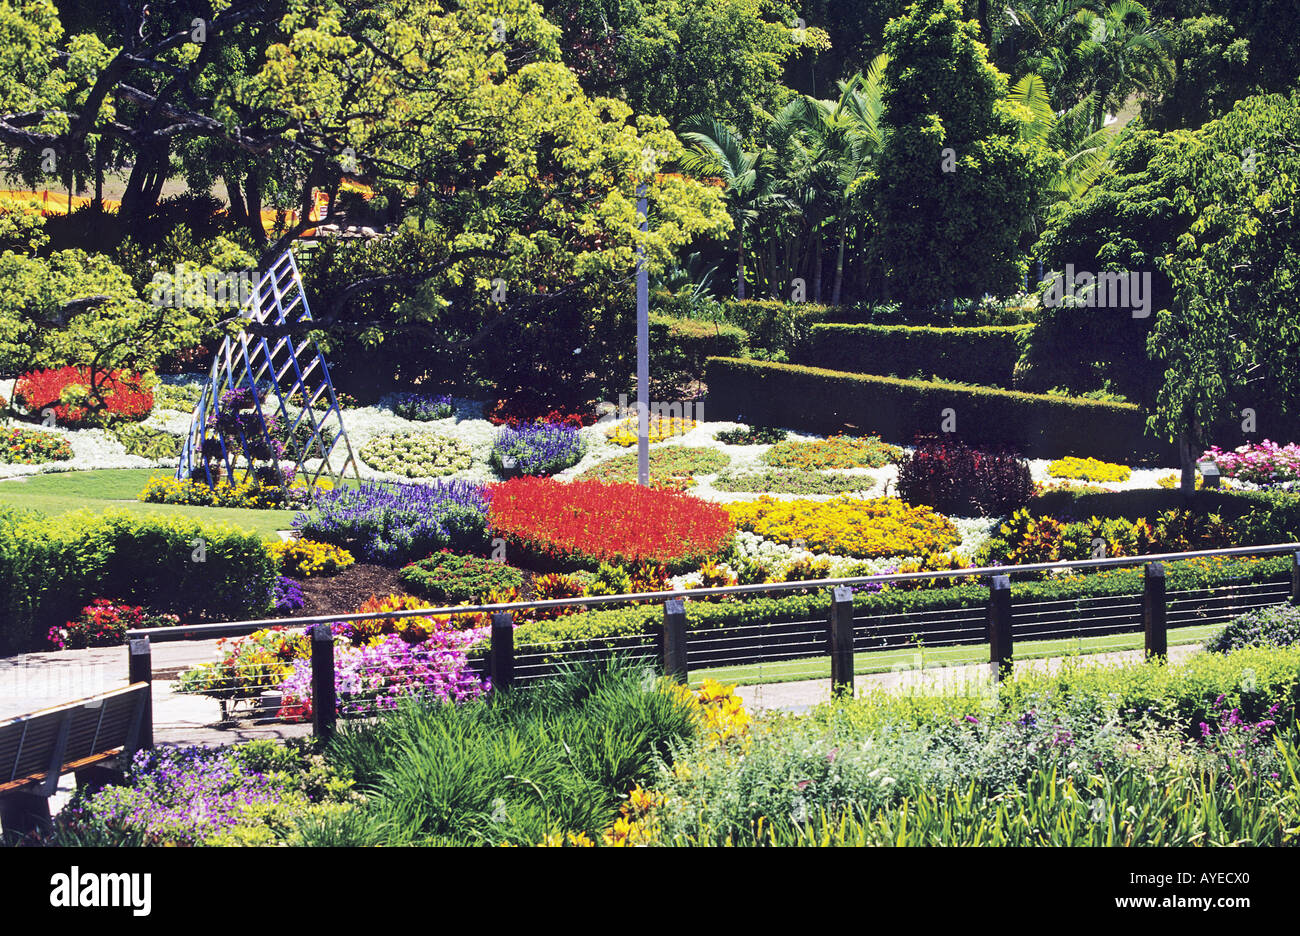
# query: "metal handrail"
(239, 628)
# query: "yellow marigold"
(847, 526)
(305, 558)
(1088, 469)
(658, 428)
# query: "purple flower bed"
(373, 677)
(286, 596)
(537, 448)
(422, 407)
(394, 523)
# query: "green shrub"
(51, 567)
(1278, 626)
(751, 435)
(1258, 517)
(792, 482)
(974, 355)
(682, 345)
(817, 400)
(445, 576)
(666, 463)
(145, 442)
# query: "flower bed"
(249, 494)
(751, 435)
(154, 444)
(1088, 469)
(287, 596)
(793, 482)
(422, 407)
(303, 558)
(67, 391)
(104, 623)
(394, 522)
(838, 451)
(537, 448)
(1265, 464)
(20, 446)
(416, 454)
(673, 466)
(658, 428)
(446, 576)
(848, 526)
(587, 522)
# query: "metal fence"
(836, 642)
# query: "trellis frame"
(244, 361)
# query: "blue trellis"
(290, 366)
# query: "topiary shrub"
(446, 576)
(1278, 626)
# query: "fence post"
(140, 669)
(1154, 610)
(674, 648)
(501, 659)
(1000, 625)
(841, 641)
(324, 705)
(1295, 578)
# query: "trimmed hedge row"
(682, 345)
(50, 567)
(818, 400)
(971, 355)
(611, 628)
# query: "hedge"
(680, 346)
(603, 628)
(50, 567)
(970, 355)
(1262, 517)
(818, 400)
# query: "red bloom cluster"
(123, 394)
(586, 522)
(102, 623)
(520, 412)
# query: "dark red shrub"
(956, 479)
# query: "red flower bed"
(123, 395)
(583, 523)
(521, 412)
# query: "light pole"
(642, 349)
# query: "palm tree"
(716, 150)
(1122, 53)
(1085, 152)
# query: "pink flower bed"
(1265, 463)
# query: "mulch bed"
(344, 593)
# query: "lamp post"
(642, 349)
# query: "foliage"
(537, 449)
(451, 578)
(957, 479)
(839, 451)
(1027, 538)
(395, 523)
(793, 482)
(19, 446)
(146, 442)
(422, 407)
(983, 355)
(1088, 469)
(77, 401)
(1277, 626)
(673, 466)
(586, 522)
(416, 454)
(682, 345)
(303, 558)
(815, 400)
(750, 435)
(470, 774)
(847, 526)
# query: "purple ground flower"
(537, 448)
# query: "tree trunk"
(740, 262)
(838, 288)
(1187, 460)
(235, 195)
(253, 200)
(817, 267)
(99, 176)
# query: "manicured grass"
(885, 661)
(61, 492)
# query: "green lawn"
(61, 492)
(885, 661)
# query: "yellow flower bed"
(1088, 469)
(658, 428)
(838, 451)
(846, 526)
(305, 558)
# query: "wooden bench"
(79, 737)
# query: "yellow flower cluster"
(1088, 469)
(637, 823)
(248, 493)
(658, 428)
(846, 526)
(1171, 481)
(304, 558)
